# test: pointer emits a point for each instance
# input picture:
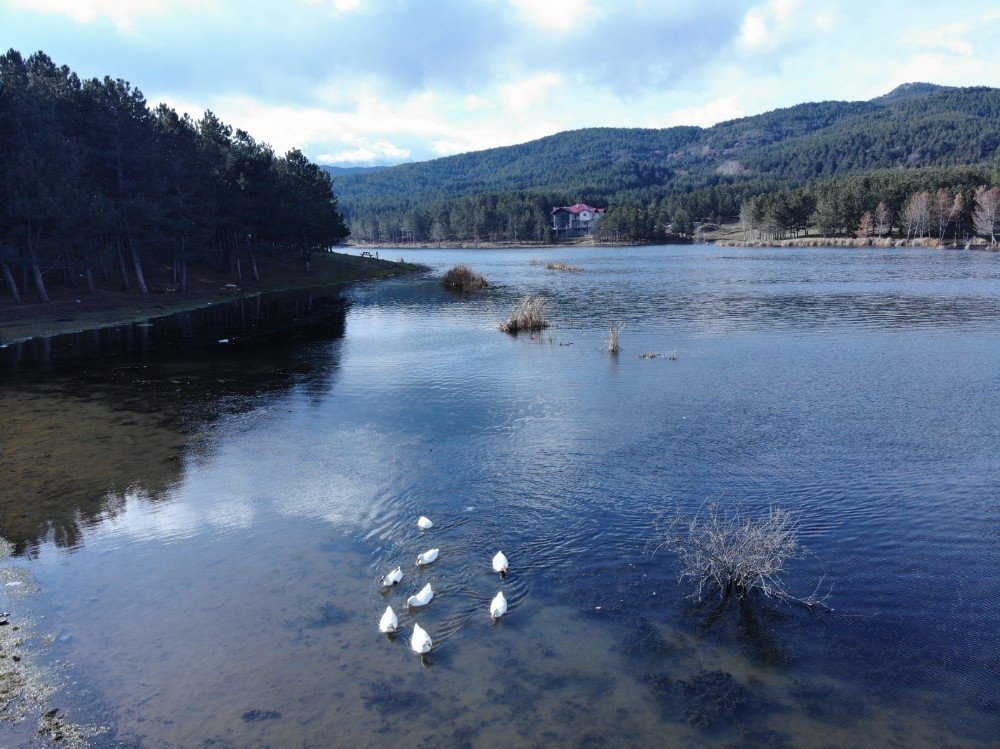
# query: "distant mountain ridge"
(336, 171)
(911, 91)
(915, 125)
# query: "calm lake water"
(201, 525)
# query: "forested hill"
(916, 125)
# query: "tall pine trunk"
(36, 269)
(183, 266)
(126, 284)
(70, 270)
(253, 262)
(140, 279)
(11, 283)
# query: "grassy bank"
(72, 310)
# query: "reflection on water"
(208, 521)
(107, 414)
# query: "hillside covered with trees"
(677, 175)
(95, 187)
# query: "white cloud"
(776, 20)
(520, 96)
(365, 80)
(124, 13)
(562, 15)
(706, 115)
(375, 152)
(754, 30)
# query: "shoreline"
(454, 244)
(883, 242)
(74, 311)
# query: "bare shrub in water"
(725, 552)
(463, 278)
(526, 315)
(560, 265)
(614, 331)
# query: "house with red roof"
(575, 220)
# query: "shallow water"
(206, 521)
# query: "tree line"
(95, 185)
(943, 204)
(706, 172)
(489, 217)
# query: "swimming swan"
(392, 578)
(428, 556)
(425, 523)
(498, 606)
(422, 598)
(388, 623)
(500, 564)
(421, 641)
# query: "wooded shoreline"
(69, 311)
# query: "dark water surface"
(204, 523)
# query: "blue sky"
(358, 82)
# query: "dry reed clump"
(560, 265)
(463, 278)
(614, 331)
(528, 314)
(651, 355)
(533, 261)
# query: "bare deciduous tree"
(918, 215)
(942, 210)
(987, 212)
(883, 219)
(726, 552)
(865, 225)
(956, 214)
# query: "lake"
(201, 506)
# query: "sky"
(368, 82)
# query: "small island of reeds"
(463, 278)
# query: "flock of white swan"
(421, 641)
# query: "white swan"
(422, 598)
(498, 606)
(392, 578)
(388, 622)
(421, 641)
(500, 563)
(428, 556)
(425, 523)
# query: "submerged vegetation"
(462, 278)
(527, 315)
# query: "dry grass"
(463, 278)
(528, 314)
(614, 332)
(533, 261)
(560, 265)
